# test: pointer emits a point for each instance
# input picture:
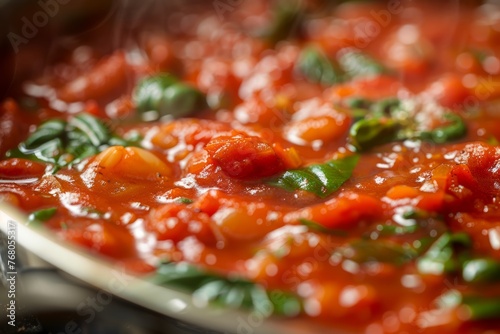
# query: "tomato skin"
(244, 157)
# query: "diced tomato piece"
(483, 164)
(244, 157)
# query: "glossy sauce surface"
(381, 251)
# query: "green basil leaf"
(47, 131)
(181, 100)
(49, 152)
(149, 92)
(65, 143)
(314, 226)
(474, 307)
(42, 215)
(184, 200)
(366, 251)
(455, 130)
(443, 255)
(230, 292)
(368, 133)
(385, 107)
(481, 308)
(165, 95)
(385, 121)
(96, 131)
(317, 68)
(391, 230)
(358, 103)
(285, 303)
(358, 64)
(481, 270)
(320, 179)
(286, 23)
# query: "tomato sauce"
(344, 154)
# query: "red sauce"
(202, 187)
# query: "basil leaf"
(184, 200)
(47, 131)
(164, 95)
(385, 121)
(287, 21)
(475, 307)
(391, 230)
(314, 226)
(358, 64)
(285, 303)
(366, 251)
(368, 133)
(95, 130)
(233, 292)
(64, 143)
(385, 107)
(317, 68)
(321, 179)
(443, 255)
(481, 270)
(455, 130)
(482, 308)
(358, 103)
(42, 215)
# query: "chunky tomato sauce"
(346, 155)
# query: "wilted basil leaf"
(315, 66)
(165, 95)
(320, 179)
(226, 291)
(64, 143)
